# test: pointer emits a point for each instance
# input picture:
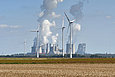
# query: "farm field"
(57, 70)
(55, 60)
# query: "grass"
(54, 60)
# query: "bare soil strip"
(57, 70)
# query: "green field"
(54, 60)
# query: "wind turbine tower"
(62, 36)
(37, 46)
(70, 25)
(24, 47)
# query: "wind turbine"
(70, 25)
(62, 36)
(62, 28)
(24, 47)
(37, 46)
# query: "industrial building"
(33, 49)
(53, 49)
(50, 49)
(68, 48)
(81, 49)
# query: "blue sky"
(20, 16)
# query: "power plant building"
(68, 48)
(46, 48)
(33, 50)
(81, 49)
(54, 49)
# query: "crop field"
(57, 67)
(57, 70)
(55, 60)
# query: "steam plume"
(76, 27)
(76, 10)
(45, 30)
(54, 39)
(47, 9)
(45, 17)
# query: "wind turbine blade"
(63, 23)
(67, 17)
(68, 29)
(73, 20)
(38, 27)
(33, 31)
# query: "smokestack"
(47, 48)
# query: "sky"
(19, 17)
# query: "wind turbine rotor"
(67, 17)
(70, 26)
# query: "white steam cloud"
(76, 27)
(48, 14)
(45, 17)
(54, 39)
(50, 4)
(45, 30)
(47, 9)
(76, 12)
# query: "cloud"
(108, 17)
(15, 27)
(3, 26)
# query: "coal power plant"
(57, 32)
(50, 49)
(55, 29)
(41, 43)
(53, 49)
(47, 38)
